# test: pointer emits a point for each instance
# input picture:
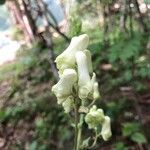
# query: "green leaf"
(130, 128)
(126, 54)
(127, 75)
(120, 146)
(138, 137)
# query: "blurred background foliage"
(120, 46)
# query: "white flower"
(84, 81)
(67, 58)
(106, 129)
(95, 117)
(63, 89)
(88, 88)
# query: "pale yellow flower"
(63, 89)
(106, 129)
(67, 58)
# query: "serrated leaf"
(138, 137)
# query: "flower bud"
(106, 129)
(96, 94)
(67, 58)
(89, 61)
(94, 118)
(63, 89)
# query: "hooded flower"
(95, 117)
(67, 58)
(106, 129)
(88, 88)
(84, 80)
(63, 89)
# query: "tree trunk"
(17, 18)
(141, 20)
(123, 16)
(25, 18)
(27, 10)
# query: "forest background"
(119, 32)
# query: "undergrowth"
(29, 99)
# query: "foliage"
(120, 146)
(147, 1)
(2, 2)
(138, 137)
(75, 25)
(27, 98)
(132, 130)
(32, 100)
(77, 89)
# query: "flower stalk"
(77, 90)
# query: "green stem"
(76, 124)
(80, 131)
(95, 140)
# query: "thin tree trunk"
(123, 16)
(106, 21)
(21, 20)
(141, 20)
(100, 13)
(26, 20)
(13, 12)
(31, 21)
(130, 15)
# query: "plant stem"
(95, 140)
(76, 124)
(79, 131)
